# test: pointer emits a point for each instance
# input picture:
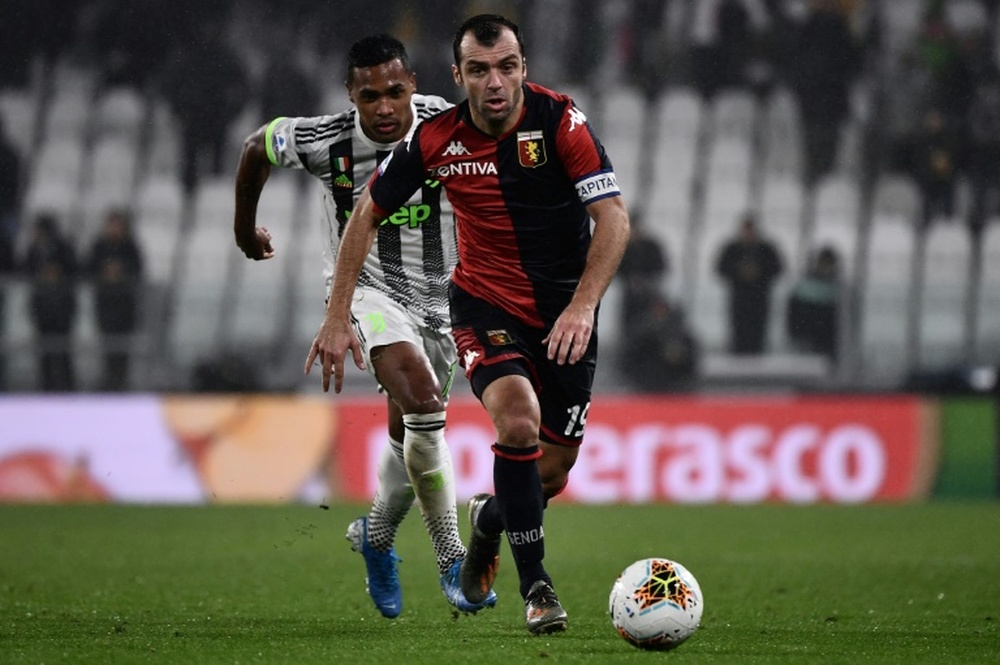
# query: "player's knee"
(428, 402)
(517, 429)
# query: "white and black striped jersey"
(415, 250)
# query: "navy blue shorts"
(492, 343)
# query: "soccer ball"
(655, 604)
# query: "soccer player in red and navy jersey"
(542, 227)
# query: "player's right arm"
(251, 174)
(336, 335)
(397, 177)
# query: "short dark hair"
(375, 50)
(486, 30)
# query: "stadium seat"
(19, 110)
(838, 197)
(623, 115)
(109, 181)
(897, 195)
(208, 252)
(945, 279)
(54, 183)
(680, 113)
(263, 286)
(68, 111)
(733, 114)
(885, 299)
(120, 112)
(163, 155)
(782, 134)
(19, 335)
(987, 330)
(726, 200)
(729, 158)
(781, 209)
(706, 306)
(158, 219)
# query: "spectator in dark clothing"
(206, 84)
(749, 264)
(50, 264)
(10, 187)
(7, 269)
(48, 245)
(132, 36)
(813, 313)
(984, 150)
(735, 37)
(642, 270)
(824, 61)
(947, 61)
(722, 62)
(658, 352)
(936, 154)
(115, 265)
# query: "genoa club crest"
(531, 149)
(499, 337)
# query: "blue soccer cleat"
(382, 582)
(452, 589)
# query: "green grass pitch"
(279, 584)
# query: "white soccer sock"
(393, 497)
(428, 462)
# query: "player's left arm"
(570, 335)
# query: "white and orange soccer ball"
(655, 604)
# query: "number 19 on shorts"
(577, 420)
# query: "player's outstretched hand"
(257, 247)
(329, 348)
(570, 335)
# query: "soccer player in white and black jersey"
(400, 309)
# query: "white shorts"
(379, 320)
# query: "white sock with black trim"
(393, 497)
(428, 462)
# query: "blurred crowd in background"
(900, 93)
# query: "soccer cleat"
(453, 591)
(544, 613)
(382, 581)
(481, 563)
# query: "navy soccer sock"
(520, 502)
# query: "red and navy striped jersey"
(519, 200)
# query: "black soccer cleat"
(543, 612)
(481, 563)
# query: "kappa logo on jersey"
(384, 164)
(576, 118)
(531, 149)
(499, 337)
(470, 357)
(454, 149)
